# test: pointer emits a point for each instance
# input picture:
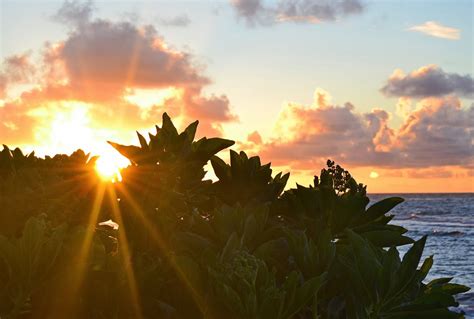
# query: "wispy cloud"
(437, 30)
(176, 21)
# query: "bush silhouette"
(186, 247)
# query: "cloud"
(15, 69)
(305, 135)
(437, 30)
(404, 107)
(18, 68)
(297, 11)
(97, 67)
(255, 138)
(428, 81)
(105, 57)
(3, 85)
(251, 10)
(439, 172)
(438, 132)
(74, 13)
(177, 21)
(429, 173)
(212, 108)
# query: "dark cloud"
(177, 21)
(15, 69)
(302, 10)
(251, 10)
(19, 68)
(428, 81)
(299, 11)
(75, 13)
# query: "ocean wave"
(435, 222)
(436, 232)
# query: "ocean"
(448, 220)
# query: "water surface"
(448, 220)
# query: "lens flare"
(109, 164)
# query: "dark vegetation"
(240, 247)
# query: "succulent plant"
(241, 246)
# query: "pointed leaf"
(221, 169)
(381, 208)
(142, 140)
(168, 126)
(133, 153)
(387, 238)
(190, 131)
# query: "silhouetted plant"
(245, 180)
(186, 247)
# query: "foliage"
(188, 247)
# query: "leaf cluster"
(186, 247)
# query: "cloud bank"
(439, 132)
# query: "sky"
(384, 88)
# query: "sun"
(373, 174)
(108, 170)
(109, 164)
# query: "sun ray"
(82, 257)
(125, 254)
(156, 237)
(132, 68)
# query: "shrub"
(186, 247)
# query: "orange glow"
(125, 255)
(69, 128)
(146, 98)
(109, 164)
(66, 125)
(391, 180)
(373, 174)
